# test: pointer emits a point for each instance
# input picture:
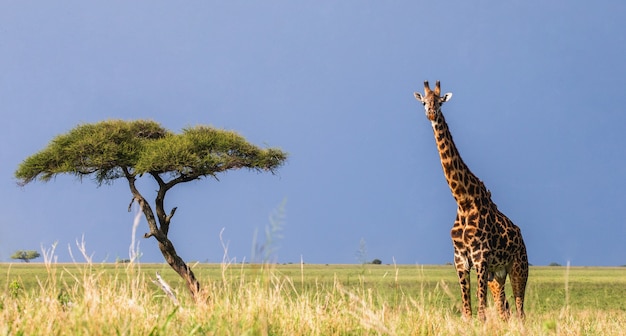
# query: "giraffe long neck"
(462, 182)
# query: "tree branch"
(165, 227)
(158, 178)
(143, 205)
(171, 213)
(159, 203)
(166, 288)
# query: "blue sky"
(537, 114)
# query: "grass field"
(243, 299)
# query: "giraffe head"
(432, 100)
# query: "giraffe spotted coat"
(482, 236)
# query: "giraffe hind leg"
(496, 286)
(519, 277)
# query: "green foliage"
(106, 149)
(64, 298)
(377, 262)
(162, 329)
(25, 255)
(550, 326)
(15, 288)
(203, 150)
(102, 149)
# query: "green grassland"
(296, 299)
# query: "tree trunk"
(178, 265)
(169, 252)
(160, 232)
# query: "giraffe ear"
(418, 96)
(446, 97)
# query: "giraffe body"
(482, 236)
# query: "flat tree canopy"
(113, 149)
(25, 255)
(107, 149)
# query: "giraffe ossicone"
(483, 237)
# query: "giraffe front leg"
(481, 293)
(463, 271)
(463, 265)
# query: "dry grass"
(85, 299)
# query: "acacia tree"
(25, 255)
(115, 149)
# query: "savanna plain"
(296, 299)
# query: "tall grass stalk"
(567, 268)
(264, 252)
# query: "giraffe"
(482, 236)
